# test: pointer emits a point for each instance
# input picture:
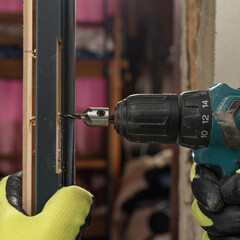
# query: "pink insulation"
(12, 6)
(10, 122)
(92, 10)
(86, 10)
(10, 116)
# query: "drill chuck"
(96, 117)
(148, 118)
(164, 118)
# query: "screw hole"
(101, 113)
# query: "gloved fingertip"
(230, 189)
(193, 171)
(14, 191)
(205, 188)
(78, 198)
(202, 219)
(205, 236)
(88, 219)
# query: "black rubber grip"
(148, 118)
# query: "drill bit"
(94, 117)
(73, 116)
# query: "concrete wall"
(227, 42)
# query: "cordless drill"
(208, 121)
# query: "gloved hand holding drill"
(65, 216)
(217, 208)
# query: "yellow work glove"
(217, 204)
(65, 216)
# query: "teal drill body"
(224, 147)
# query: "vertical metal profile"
(47, 180)
(55, 94)
(68, 24)
(106, 60)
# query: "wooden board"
(10, 40)
(12, 17)
(28, 118)
(115, 96)
(89, 68)
(91, 164)
(10, 157)
(12, 68)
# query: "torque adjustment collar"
(196, 119)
